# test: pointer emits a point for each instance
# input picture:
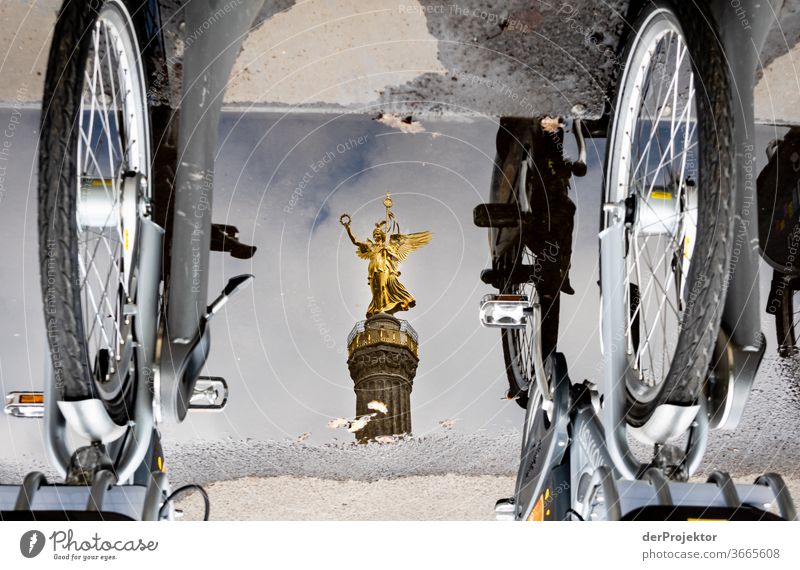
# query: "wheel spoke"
(653, 161)
(112, 123)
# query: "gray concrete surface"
(438, 497)
(448, 58)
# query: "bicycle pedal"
(25, 404)
(505, 509)
(505, 311)
(210, 394)
(499, 216)
(235, 285)
(225, 239)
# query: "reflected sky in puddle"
(284, 180)
(281, 344)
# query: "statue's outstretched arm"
(363, 248)
(350, 234)
(353, 237)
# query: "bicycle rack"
(104, 497)
(596, 492)
(573, 441)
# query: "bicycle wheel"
(518, 344)
(668, 186)
(94, 161)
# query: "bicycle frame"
(207, 63)
(168, 358)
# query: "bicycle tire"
(700, 319)
(58, 197)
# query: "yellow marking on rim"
(661, 195)
(126, 239)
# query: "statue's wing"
(364, 249)
(406, 243)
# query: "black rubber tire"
(58, 248)
(57, 200)
(511, 259)
(712, 250)
(515, 391)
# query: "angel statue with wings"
(385, 251)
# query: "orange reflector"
(31, 398)
(537, 514)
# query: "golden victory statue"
(385, 251)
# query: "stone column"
(382, 359)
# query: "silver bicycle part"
(207, 64)
(137, 502)
(615, 366)
(648, 234)
(504, 311)
(652, 165)
(210, 394)
(113, 154)
(668, 423)
(504, 510)
(601, 498)
(25, 404)
(96, 425)
(103, 482)
(523, 313)
(30, 486)
(157, 493)
(90, 420)
(731, 379)
(783, 500)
